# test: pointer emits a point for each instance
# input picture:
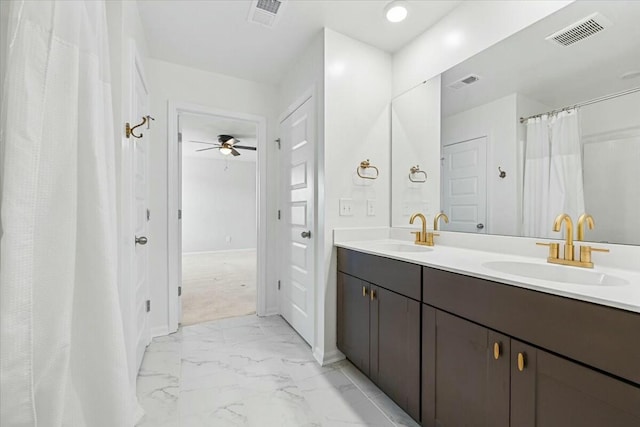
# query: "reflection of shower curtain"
(62, 352)
(552, 172)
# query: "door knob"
(480, 226)
(141, 240)
(306, 234)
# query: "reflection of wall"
(611, 149)
(415, 140)
(497, 121)
(218, 204)
(470, 28)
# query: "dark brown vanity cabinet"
(379, 324)
(475, 376)
(465, 372)
(551, 391)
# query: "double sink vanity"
(458, 336)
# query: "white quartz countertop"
(471, 262)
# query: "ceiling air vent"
(265, 12)
(580, 30)
(465, 81)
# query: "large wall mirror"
(530, 128)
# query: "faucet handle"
(585, 253)
(418, 235)
(554, 249)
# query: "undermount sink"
(401, 247)
(556, 273)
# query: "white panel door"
(297, 220)
(141, 215)
(464, 186)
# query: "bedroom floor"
(217, 285)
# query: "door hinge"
(278, 284)
(279, 143)
(148, 214)
(179, 291)
(278, 213)
(179, 213)
(148, 305)
(179, 137)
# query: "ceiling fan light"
(396, 11)
(225, 151)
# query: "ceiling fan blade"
(210, 148)
(235, 152)
(245, 147)
(203, 142)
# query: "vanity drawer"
(602, 337)
(397, 276)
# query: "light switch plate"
(371, 207)
(346, 207)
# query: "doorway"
(216, 238)
(219, 235)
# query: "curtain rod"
(582, 104)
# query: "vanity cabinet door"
(353, 320)
(550, 391)
(395, 348)
(464, 382)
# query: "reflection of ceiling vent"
(465, 81)
(580, 30)
(265, 12)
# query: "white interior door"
(296, 286)
(464, 186)
(141, 214)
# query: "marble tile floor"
(251, 371)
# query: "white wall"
(183, 84)
(218, 204)
(415, 139)
(357, 127)
(468, 29)
(610, 133)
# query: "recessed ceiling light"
(396, 11)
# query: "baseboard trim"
(327, 358)
(220, 251)
(159, 331)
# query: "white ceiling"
(554, 75)
(216, 35)
(207, 128)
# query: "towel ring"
(366, 165)
(415, 170)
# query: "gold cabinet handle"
(496, 350)
(522, 361)
(364, 291)
(373, 294)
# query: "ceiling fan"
(226, 145)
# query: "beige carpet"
(216, 285)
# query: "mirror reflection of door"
(464, 189)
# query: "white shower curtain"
(62, 348)
(553, 182)
(535, 206)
